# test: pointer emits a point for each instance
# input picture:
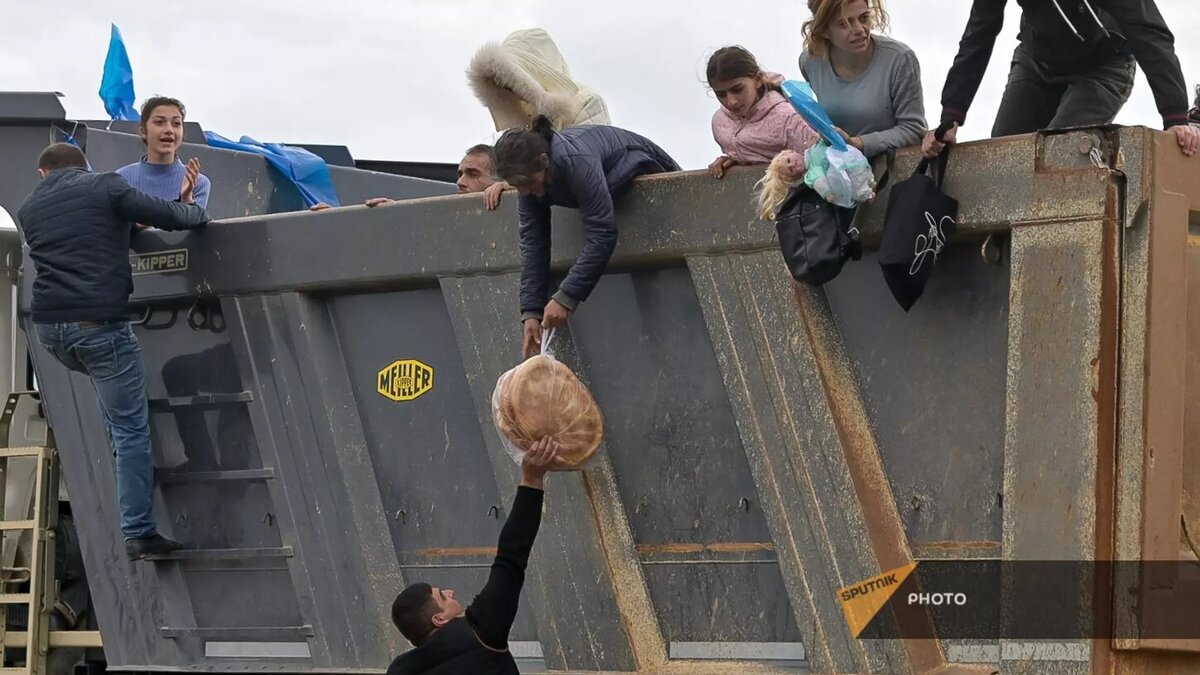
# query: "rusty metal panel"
(1054, 426)
(1157, 457)
(1191, 390)
(919, 421)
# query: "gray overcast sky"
(387, 79)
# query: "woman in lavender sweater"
(160, 173)
(869, 84)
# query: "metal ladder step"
(174, 477)
(225, 553)
(246, 634)
(16, 598)
(201, 402)
(21, 452)
(17, 524)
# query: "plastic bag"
(542, 397)
(307, 171)
(802, 98)
(842, 177)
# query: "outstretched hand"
(493, 194)
(190, 176)
(1188, 137)
(538, 459)
(555, 315)
(931, 147)
(531, 342)
(720, 165)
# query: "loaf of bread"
(542, 397)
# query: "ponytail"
(542, 126)
(518, 153)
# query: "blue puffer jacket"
(588, 165)
(77, 225)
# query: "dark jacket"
(588, 165)
(77, 225)
(478, 643)
(1134, 27)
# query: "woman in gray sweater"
(869, 84)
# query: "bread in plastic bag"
(543, 397)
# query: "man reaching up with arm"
(450, 639)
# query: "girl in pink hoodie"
(755, 122)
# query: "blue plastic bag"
(800, 95)
(308, 172)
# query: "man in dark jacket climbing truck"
(580, 168)
(450, 640)
(77, 225)
(1074, 66)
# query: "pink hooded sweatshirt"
(772, 127)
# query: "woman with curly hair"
(869, 84)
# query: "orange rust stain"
(957, 545)
(449, 552)
(715, 547)
(741, 547)
(884, 529)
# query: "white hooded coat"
(526, 76)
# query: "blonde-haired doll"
(785, 173)
(843, 178)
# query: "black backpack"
(816, 237)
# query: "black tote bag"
(918, 221)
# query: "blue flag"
(116, 87)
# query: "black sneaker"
(139, 549)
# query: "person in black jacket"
(1074, 66)
(580, 168)
(77, 225)
(449, 639)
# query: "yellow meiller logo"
(405, 380)
(862, 601)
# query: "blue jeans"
(108, 353)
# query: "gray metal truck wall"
(766, 444)
(242, 184)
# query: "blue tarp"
(116, 85)
(306, 171)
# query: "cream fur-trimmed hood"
(525, 76)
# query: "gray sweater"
(884, 105)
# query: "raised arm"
(138, 207)
(493, 611)
(974, 53)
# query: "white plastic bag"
(842, 177)
(542, 397)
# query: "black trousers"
(1037, 97)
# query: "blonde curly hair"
(825, 12)
(772, 189)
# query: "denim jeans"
(108, 353)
